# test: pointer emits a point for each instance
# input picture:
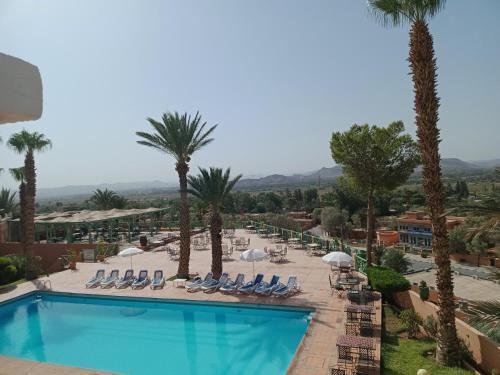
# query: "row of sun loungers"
(128, 279)
(256, 286)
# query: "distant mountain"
(450, 166)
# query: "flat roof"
(86, 216)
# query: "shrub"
(387, 281)
(396, 260)
(8, 274)
(20, 262)
(411, 322)
(430, 326)
(424, 290)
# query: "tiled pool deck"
(317, 351)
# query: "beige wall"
(20, 90)
(486, 352)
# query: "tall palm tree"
(107, 199)
(426, 103)
(212, 187)
(18, 175)
(28, 143)
(7, 202)
(179, 136)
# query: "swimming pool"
(146, 336)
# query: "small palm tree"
(426, 103)
(7, 202)
(107, 199)
(179, 136)
(28, 143)
(212, 187)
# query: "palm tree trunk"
(29, 214)
(369, 229)
(22, 218)
(216, 236)
(184, 224)
(423, 69)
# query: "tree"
(426, 103)
(395, 259)
(107, 199)
(485, 316)
(7, 202)
(212, 187)
(18, 175)
(311, 199)
(179, 136)
(334, 221)
(456, 238)
(377, 160)
(28, 143)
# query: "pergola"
(88, 226)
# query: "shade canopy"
(253, 255)
(337, 258)
(130, 252)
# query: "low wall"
(486, 352)
(475, 260)
(50, 253)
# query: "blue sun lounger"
(158, 280)
(213, 285)
(265, 289)
(96, 280)
(285, 290)
(126, 280)
(109, 281)
(142, 280)
(249, 287)
(197, 284)
(232, 286)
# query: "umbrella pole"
(131, 262)
(253, 268)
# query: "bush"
(411, 321)
(8, 274)
(387, 281)
(430, 326)
(20, 262)
(396, 260)
(424, 290)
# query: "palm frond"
(399, 12)
(485, 315)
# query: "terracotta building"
(415, 228)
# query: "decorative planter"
(72, 265)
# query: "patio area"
(317, 351)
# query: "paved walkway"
(317, 351)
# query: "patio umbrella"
(337, 258)
(130, 252)
(253, 255)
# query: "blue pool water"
(151, 337)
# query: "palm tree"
(27, 143)
(485, 316)
(423, 70)
(7, 202)
(18, 175)
(107, 199)
(212, 187)
(179, 136)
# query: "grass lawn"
(401, 356)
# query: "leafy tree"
(297, 194)
(456, 238)
(396, 260)
(377, 160)
(212, 187)
(311, 199)
(426, 103)
(28, 143)
(348, 196)
(7, 202)
(179, 136)
(335, 221)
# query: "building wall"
(50, 253)
(486, 352)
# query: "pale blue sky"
(277, 75)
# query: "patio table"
(358, 342)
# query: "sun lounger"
(265, 289)
(232, 286)
(126, 280)
(158, 280)
(213, 285)
(285, 290)
(109, 281)
(142, 280)
(96, 280)
(197, 284)
(249, 287)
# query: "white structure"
(20, 90)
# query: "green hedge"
(387, 281)
(8, 271)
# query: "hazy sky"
(278, 76)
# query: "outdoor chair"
(158, 280)
(286, 290)
(141, 281)
(366, 317)
(197, 284)
(249, 287)
(265, 289)
(96, 280)
(214, 285)
(126, 280)
(232, 286)
(366, 357)
(352, 316)
(365, 329)
(337, 371)
(345, 356)
(283, 255)
(351, 329)
(109, 281)
(353, 296)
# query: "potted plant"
(424, 290)
(72, 258)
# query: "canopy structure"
(90, 226)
